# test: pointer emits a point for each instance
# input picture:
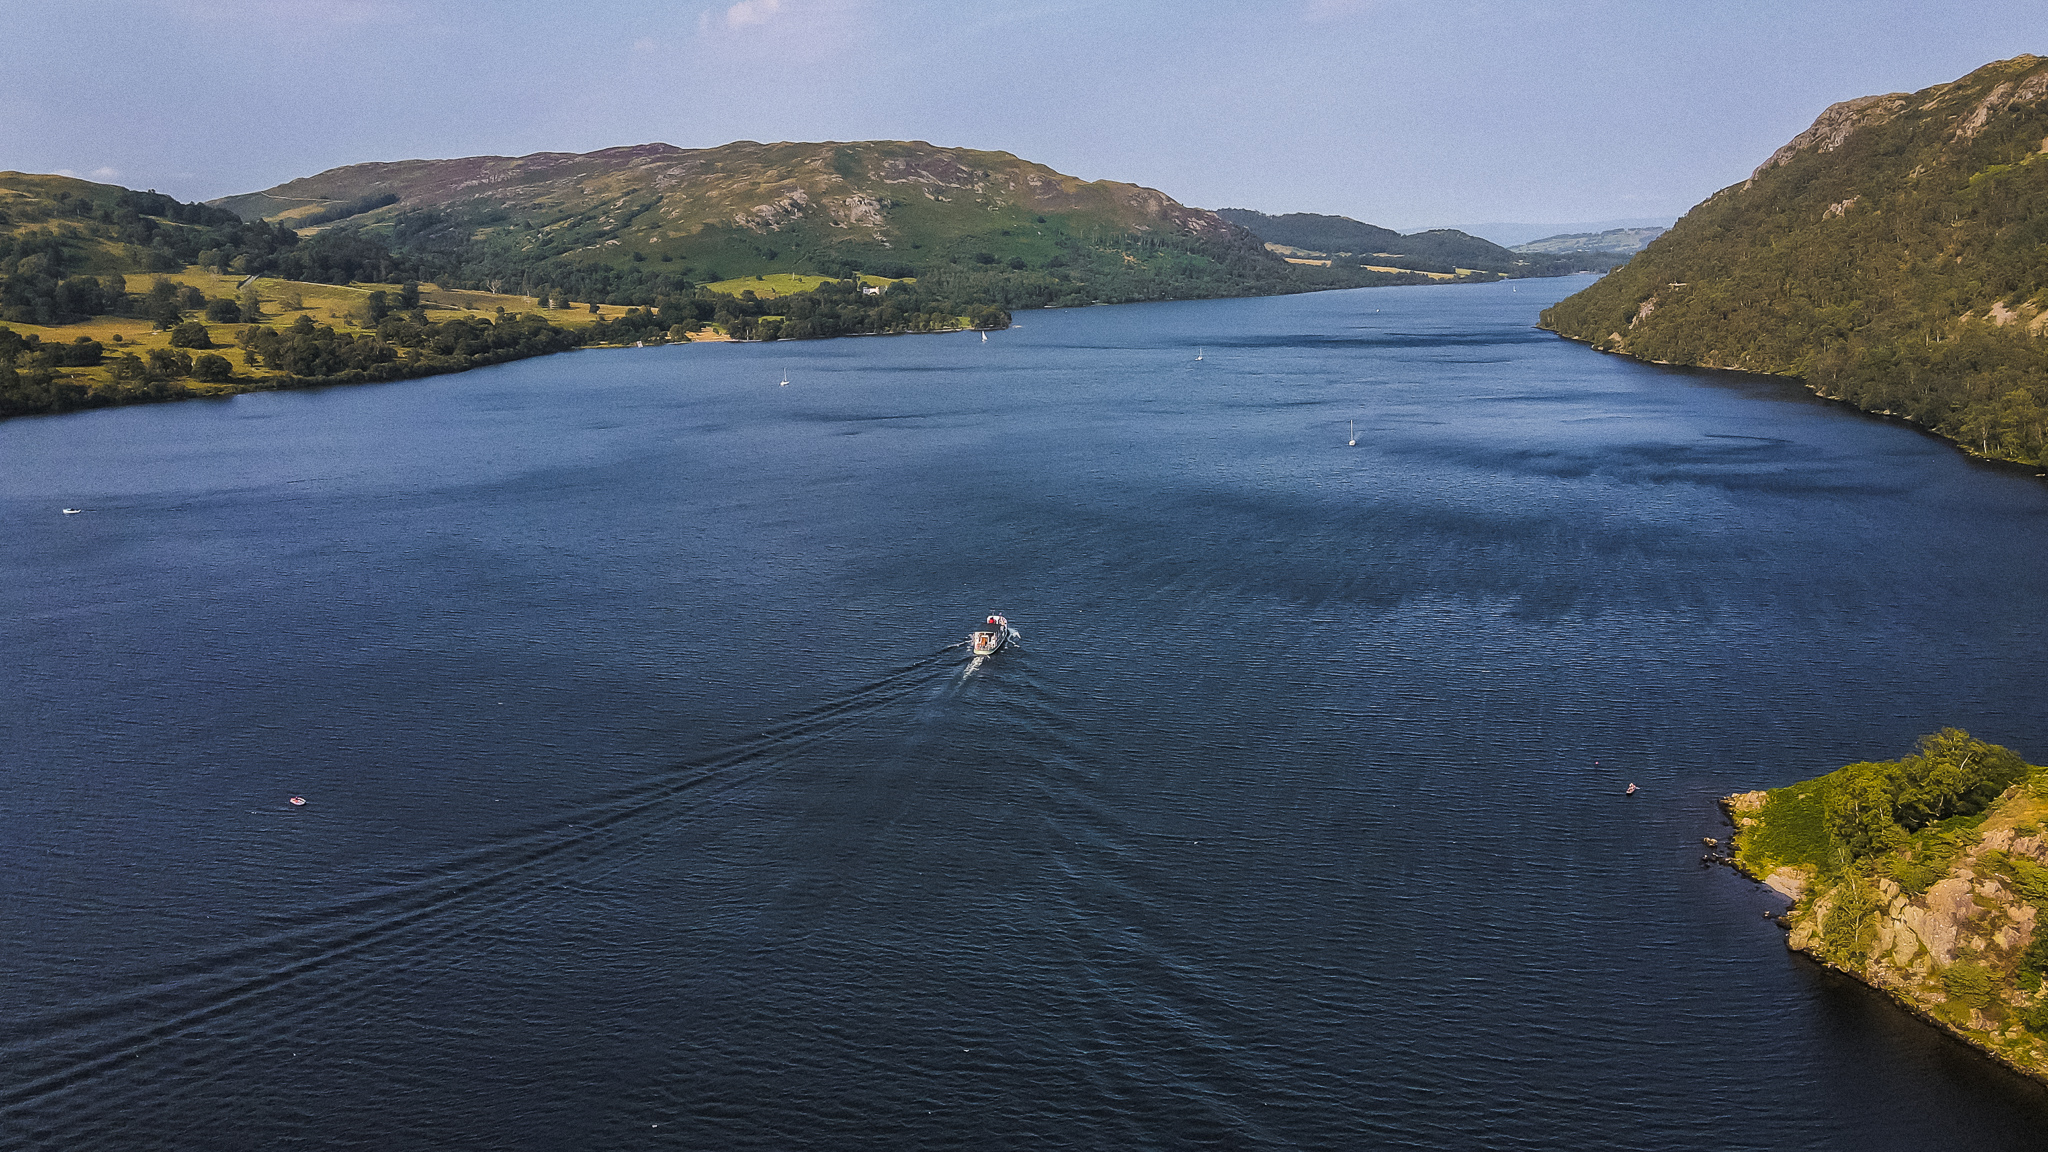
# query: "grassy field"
(1791, 831)
(337, 306)
(781, 284)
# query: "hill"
(1893, 256)
(627, 224)
(1626, 240)
(1348, 243)
(1926, 877)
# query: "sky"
(1404, 113)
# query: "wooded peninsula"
(1926, 877)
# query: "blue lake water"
(651, 799)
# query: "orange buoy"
(298, 799)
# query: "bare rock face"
(1745, 804)
(1833, 127)
(1789, 882)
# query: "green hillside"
(1894, 256)
(66, 245)
(628, 224)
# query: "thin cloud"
(749, 13)
(807, 32)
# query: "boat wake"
(312, 958)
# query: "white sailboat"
(1354, 433)
(1198, 353)
(785, 378)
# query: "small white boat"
(785, 378)
(984, 337)
(992, 641)
(1198, 353)
(73, 511)
(1354, 433)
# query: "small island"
(1925, 877)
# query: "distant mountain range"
(1612, 240)
(1894, 255)
(1342, 242)
(1513, 235)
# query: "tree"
(212, 368)
(190, 334)
(169, 362)
(161, 305)
(252, 305)
(1857, 811)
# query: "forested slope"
(1894, 255)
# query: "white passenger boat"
(992, 641)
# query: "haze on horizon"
(1404, 114)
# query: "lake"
(651, 798)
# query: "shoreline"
(399, 371)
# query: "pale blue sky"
(1402, 112)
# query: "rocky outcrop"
(1955, 951)
(1832, 127)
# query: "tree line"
(402, 342)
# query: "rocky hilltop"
(879, 191)
(1890, 256)
(1925, 877)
